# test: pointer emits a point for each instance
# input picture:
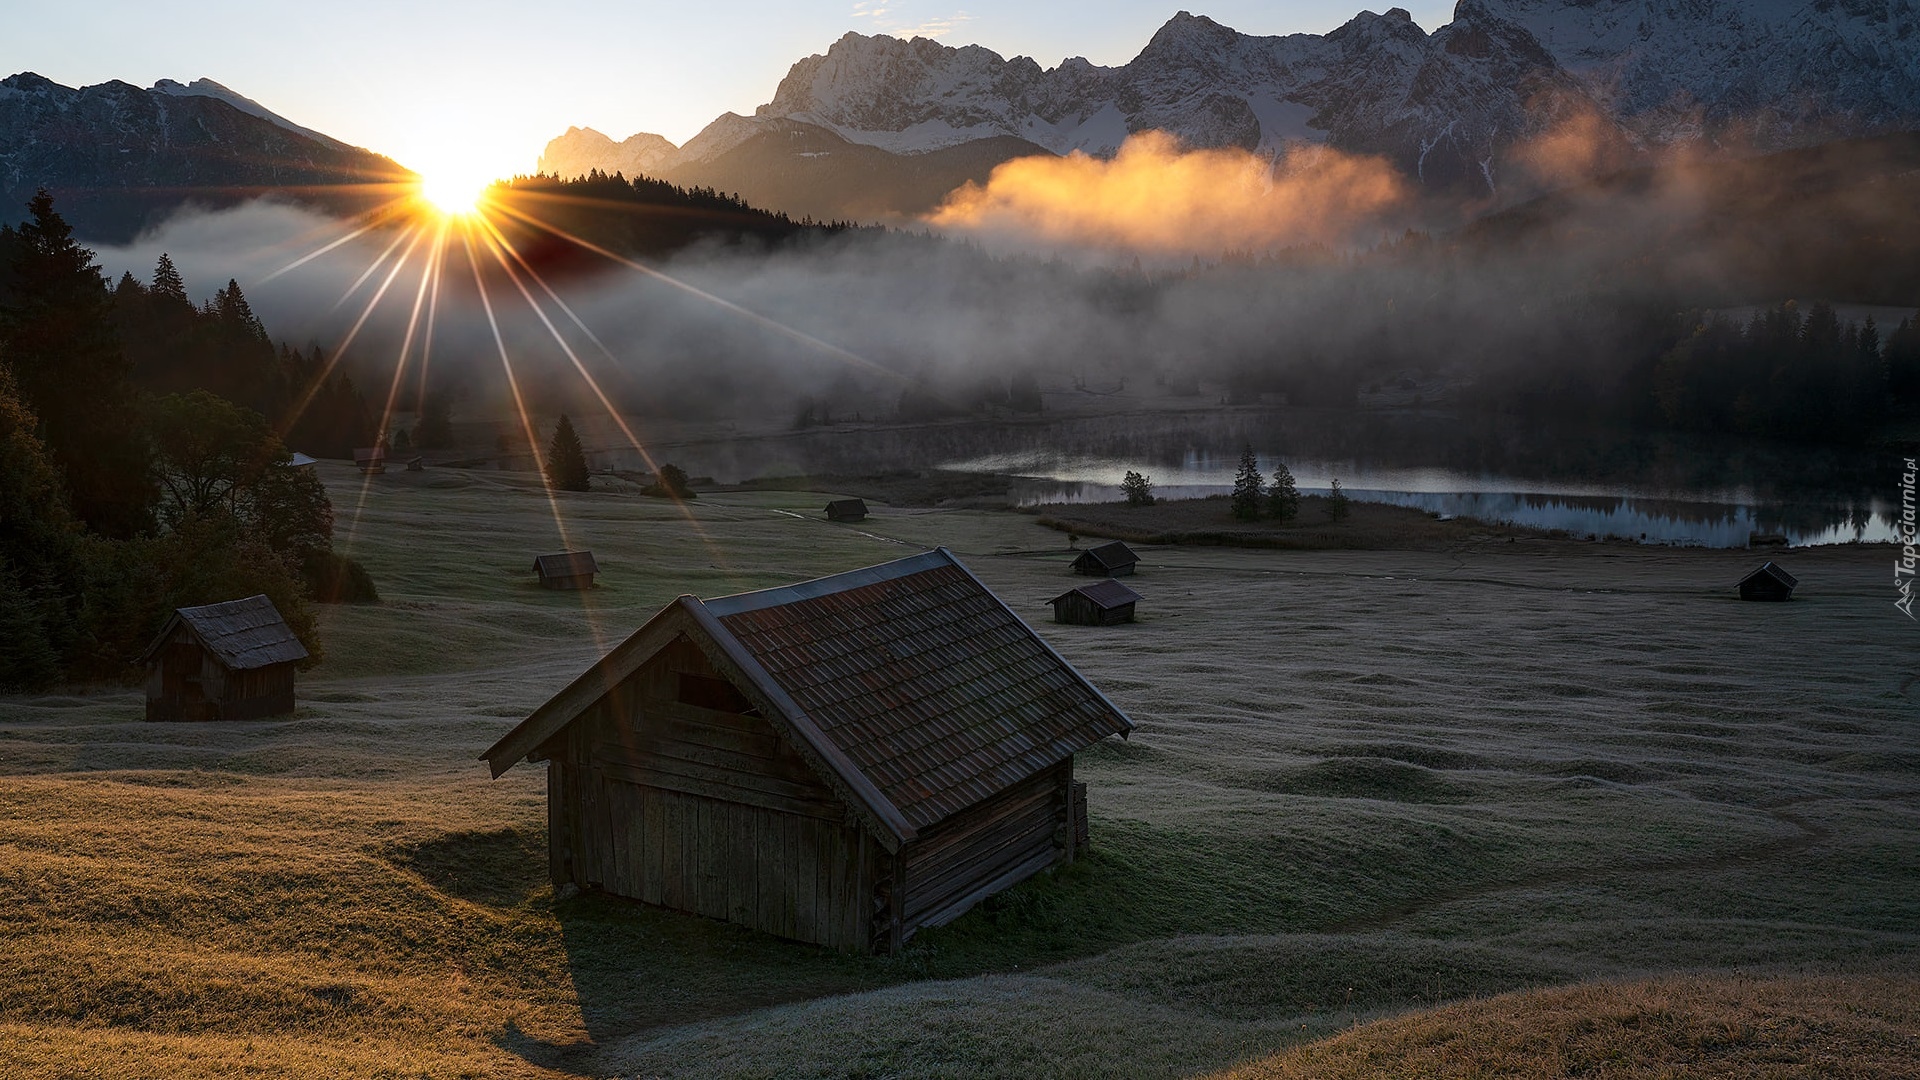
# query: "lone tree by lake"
(1138, 489)
(566, 461)
(1283, 497)
(1246, 487)
(1338, 505)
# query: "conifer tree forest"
(144, 462)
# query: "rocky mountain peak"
(1456, 108)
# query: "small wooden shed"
(371, 459)
(566, 570)
(846, 510)
(1112, 559)
(1770, 582)
(843, 761)
(1103, 603)
(230, 661)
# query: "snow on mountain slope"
(1508, 92)
(208, 88)
(1778, 71)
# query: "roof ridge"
(738, 603)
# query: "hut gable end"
(1770, 582)
(646, 731)
(229, 661)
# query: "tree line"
(139, 469)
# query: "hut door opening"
(183, 682)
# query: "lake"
(1654, 487)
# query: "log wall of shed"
(705, 810)
(987, 848)
(185, 682)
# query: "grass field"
(1369, 792)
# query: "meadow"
(1508, 806)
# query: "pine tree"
(434, 431)
(1338, 505)
(1246, 487)
(566, 461)
(1138, 489)
(167, 282)
(42, 572)
(1902, 353)
(1283, 497)
(58, 333)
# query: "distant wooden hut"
(1103, 603)
(843, 761)
(230, 661)
(567, 570)
(1770, 582)
(1112, 559)
(416, 463)
(846, 510)
(371, 459)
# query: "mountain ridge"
(118, 158)
(1509, 92)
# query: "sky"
(479, 86)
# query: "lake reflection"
(1651, 521)
(1670, 489)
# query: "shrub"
(669, 483)
(332, 578)
(1138, 489)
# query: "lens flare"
(454, 194)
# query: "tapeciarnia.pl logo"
(1903, 567)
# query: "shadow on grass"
(632, 968)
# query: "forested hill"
(638, 217)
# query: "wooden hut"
(843, 761)
(1112, 559)
(371, 459)
(416, 463)
(566, 570)
(846, 510)
(231, 661)
(1770, 582)
(1103, 603)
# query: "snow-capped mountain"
(209, 88)
(1464, 108)
(117, 157)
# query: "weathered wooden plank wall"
(980, 850)
(705, 811)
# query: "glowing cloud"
(1156, 196)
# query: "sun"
(454, 193)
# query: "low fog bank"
(1275, 286)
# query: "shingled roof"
(241, 634)
(1776, 572)
(1112, 555)
(566, 564)
(1106, 593)
(910, 681)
